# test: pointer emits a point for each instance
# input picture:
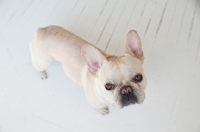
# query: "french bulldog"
(107, 80)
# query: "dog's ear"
(133, 45)
(92, 57)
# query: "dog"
(107, 80)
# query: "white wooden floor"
(170, 33)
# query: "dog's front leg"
(103, 111)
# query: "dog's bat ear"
(133, 45)
(92, 57)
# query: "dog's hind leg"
(40, 60)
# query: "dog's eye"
(138, 78)
(109, 86)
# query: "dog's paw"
(42, 74)
(103, 111)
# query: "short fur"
(90, 67)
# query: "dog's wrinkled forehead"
(131, 64)
(121, 68)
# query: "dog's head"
(121, 80)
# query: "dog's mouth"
(129, 103)
(128, 95)
(130, 99)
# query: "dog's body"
(106, 79)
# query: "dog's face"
(121, 80)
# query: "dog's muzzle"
(127, 95)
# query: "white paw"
(103, 111)
(42, 74)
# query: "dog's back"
(54, 42)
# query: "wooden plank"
(184, 31)
(7, 11)
(118, 32)
(90, 14)
(60, 12)
(79, 8)
(160, 42)
(145, 20)
(193, 46)
(15, 17)
(111, 25)
(132, 24)
(97, 12)
(176, 22)
(99, 26)
(153, 28)
(66, 12)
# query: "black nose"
(126, 90)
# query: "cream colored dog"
(106, 79)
